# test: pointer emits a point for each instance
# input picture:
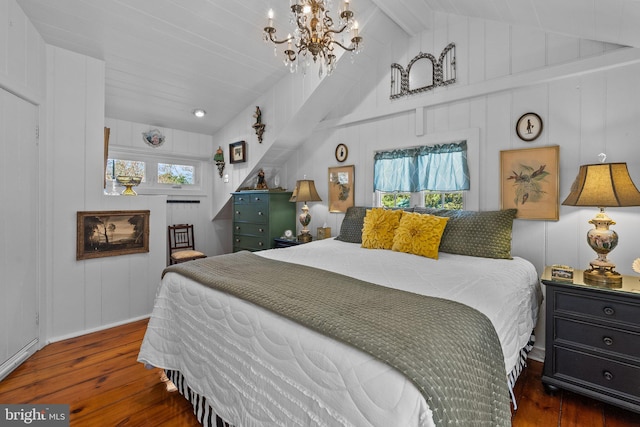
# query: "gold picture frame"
(529, 182)
(341, 188)
(111, 233)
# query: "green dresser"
(259, 217)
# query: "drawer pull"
(241, 199)
(237, 240)
(607, 375)
(260, 213)
(261, 230)
(609, 311)
(260, 244)
(608, 340)
(237, 212)
(238, 227)
(257, 199)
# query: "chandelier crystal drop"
(314, 34)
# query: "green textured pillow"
(482, 234)
(352, 223)
(380, 227)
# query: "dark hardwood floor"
(99, 377)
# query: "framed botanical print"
(238, 152)
(529, 182)
(341, 188)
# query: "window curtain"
(433, 167)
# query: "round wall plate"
(341, 152)
(529, 127)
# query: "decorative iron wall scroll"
(424, 73)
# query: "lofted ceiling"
(165, 58)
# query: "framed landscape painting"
(111, 233)
(529, 182)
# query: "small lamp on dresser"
(304, 192)
(603, 185)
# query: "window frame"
(471, 198)
(151, 186)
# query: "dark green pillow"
(351, 228)
(481, 234)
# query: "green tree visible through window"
(396, 200)
(117, 167)
(443, 200)
(175, 174)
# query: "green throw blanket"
(448, 350)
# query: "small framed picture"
(561, 273)
(529, 127)
(341, 188)
(238, 152)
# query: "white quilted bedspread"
(258, 369)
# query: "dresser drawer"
(618, 378)
(599, 307)
(251, 212)
(243, 199)
(248, 228)
(250, 243)
(625, 343)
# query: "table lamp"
(603, 185)
(304, 192)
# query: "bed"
(238, 360)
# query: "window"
(431, 176)
(436, 200)
(118, 167)
(175, 174)
(160, 175)
(396, 200)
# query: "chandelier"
(313, 37)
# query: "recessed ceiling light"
(199, 112)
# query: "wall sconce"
(218, 158)
(258, 125)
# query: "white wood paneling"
(19, 261)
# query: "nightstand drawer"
(618, 378)
(600, 337)
(249, 228)
(599, 307)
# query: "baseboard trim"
(16, 360)
(96, 329)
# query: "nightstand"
(285, 243)
(593, 339)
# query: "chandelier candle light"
(314, 35)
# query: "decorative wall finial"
(258, 125)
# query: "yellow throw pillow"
(379, 228)
(419, 234)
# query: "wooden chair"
(182, 244)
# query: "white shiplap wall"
(586, 93)
(127, 137)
